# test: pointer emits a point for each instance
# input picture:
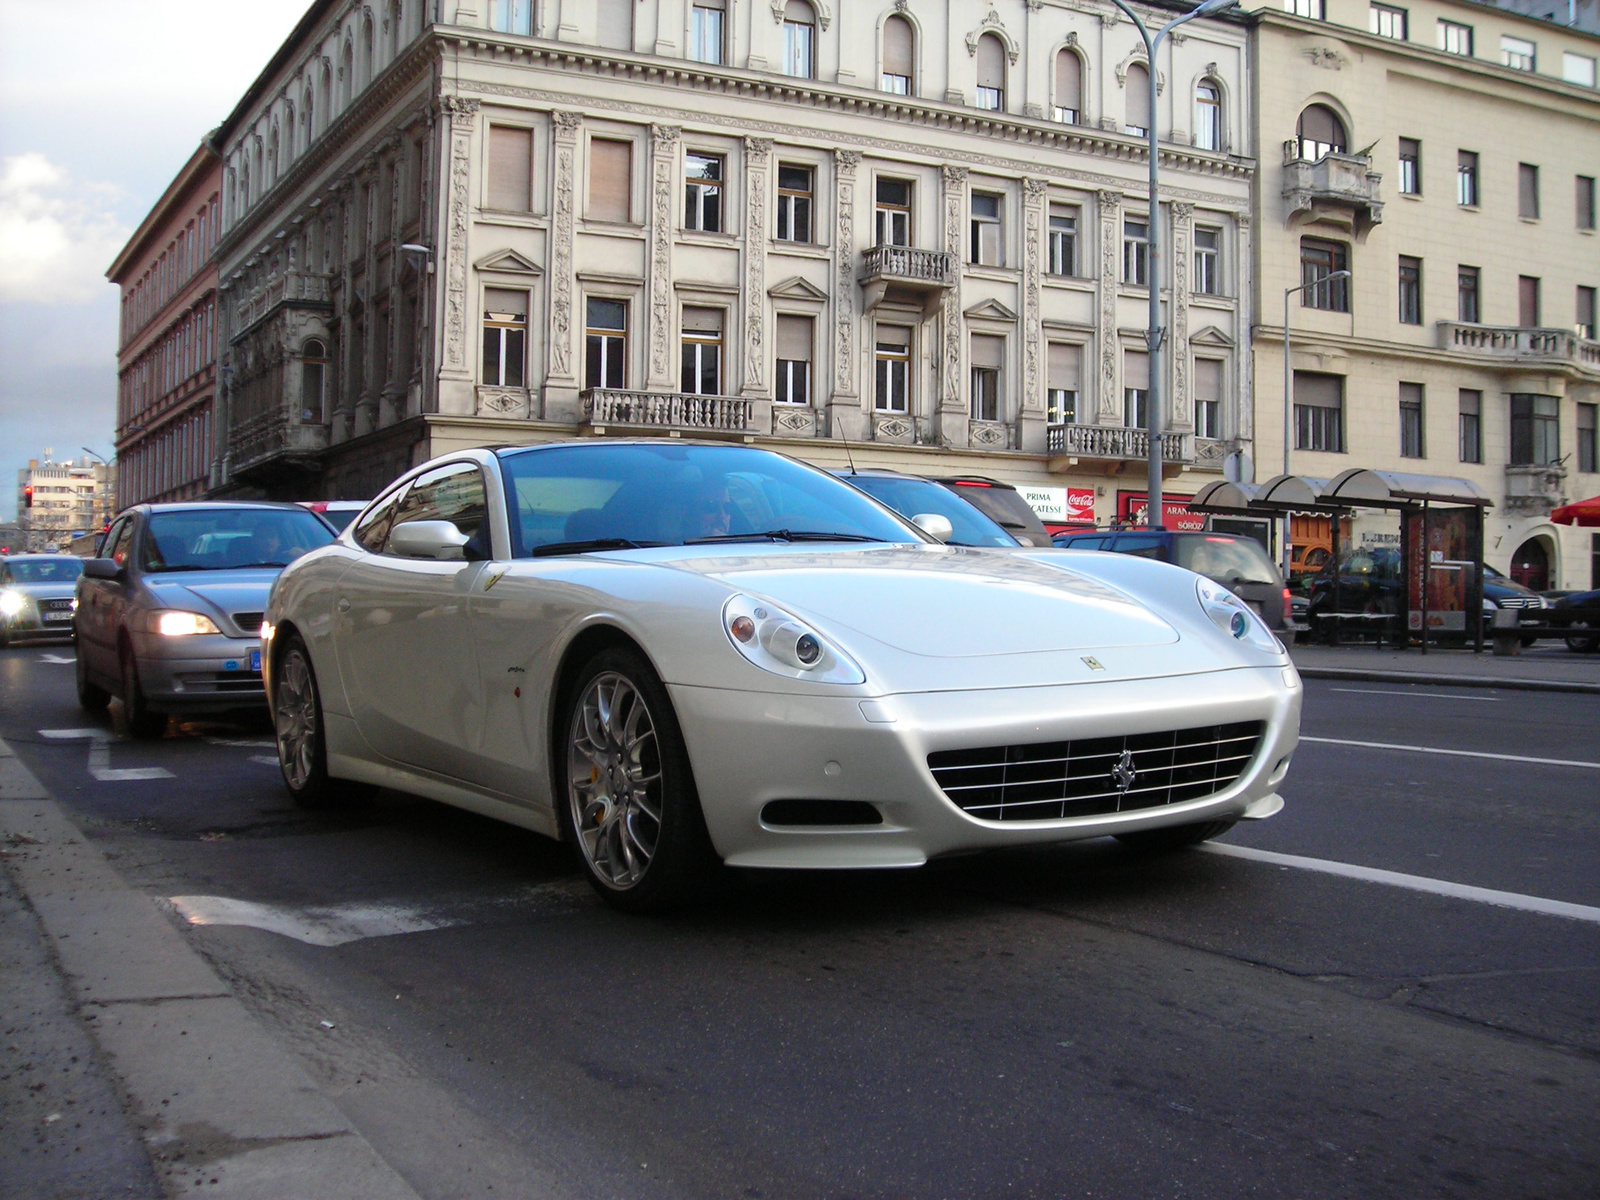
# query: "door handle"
(343, 605)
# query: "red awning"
(1579, 512)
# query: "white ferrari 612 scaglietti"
(674, 654)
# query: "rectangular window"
(1136, 251)
(702, 203)
(1410, 290)
(1065, 369)
(1528, 307)
(505, 337)
(1516, 53)
(1208, 261)
(1208, 398)
(795, 195)
(892, 382)
(610, 180)
(987, 355)
(1063, 240)
(1411, 421)
(1135, 389)
(1528, 191)
(702, 352)
(1318, 412)
(1469, 427)
(1455, 38)
(1577, 68)
(606, 344)
(1387, 22)
(1318, 260)
(794, 360)
(985, 246)
(1586, 437)
(1584, 311)
(1535, 430)
(1304, 8)
(1467, 308)
(892, 217)
(510, 16)
(1583, 198)
(510, 168)
(1410, 167)
(705, 32)
(1467, 178)
(799, 38)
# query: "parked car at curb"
(337, 513)
(1002, 504)
(36, 596)
(169, 619)
(912, 496)
(1575, 611)
(673, 655)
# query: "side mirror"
(935, 525)
(101, 568)
(428, 539)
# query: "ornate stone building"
(913, 228)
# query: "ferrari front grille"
(1049, 781)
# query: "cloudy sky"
(101, 103)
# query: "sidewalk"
(1546, 667)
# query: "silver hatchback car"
(169, 618)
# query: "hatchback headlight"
(780, 642)
(1236, 618)
(176, 623)
(11, 603)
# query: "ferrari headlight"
(780, 642)
(11, 603)
(175, 623)
(1236, 618)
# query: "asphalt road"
(1075, 1021)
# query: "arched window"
(1138, 100)
(392, 29)
(347, 76)
(271, 174)
(1069, 87)
(1320, 132)
(366, 53)
(308, 128)
(898, 47)
(799, 40)
(991, 73)
(1208, 115)
(313, 381)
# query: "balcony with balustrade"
(1522, 345)
(921, 276)
(604, 410)
(1337, 189)
(1114, 447)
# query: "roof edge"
(202, 158)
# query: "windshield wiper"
(551, 548)
(782, 535)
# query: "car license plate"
(58, 616)
(255, 660)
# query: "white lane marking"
(1548, 762)
(1423, 695)
(56, 658)
(265, 760)
(1415, 883)
(332, 926)
(254, 743)
(100, 756)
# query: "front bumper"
(752, 748)
(205, 671)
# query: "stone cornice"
(1307, 342)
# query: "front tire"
(1173, 837)
(301, 737)
(91, 696)
(142, 721)
(629, 806)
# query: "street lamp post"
(1155, 334)
(1284, 546)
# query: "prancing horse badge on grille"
(1123, 773)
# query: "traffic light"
(27, 494)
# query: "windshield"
(908, 497)
(45, 570)
(1228, 560)
(220, 539)
(575, 498)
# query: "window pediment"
(508, 262)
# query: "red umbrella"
(1579, 512)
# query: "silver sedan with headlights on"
(36, 596)
(672, 655)
(170, 618)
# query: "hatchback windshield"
(909, 497)
(567, 499)
(44, 570)
(1228, 560)
(220, 539)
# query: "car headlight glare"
(11, 603)
(1235, 618)
(783, 644)
(176, 623)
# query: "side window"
(454, 493)
(118, 542)
(1088, 543)
(373, 530)
(1144, 545)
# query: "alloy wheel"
(295, 712)
(614, 780)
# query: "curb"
(1378, 675)
(225, 1111)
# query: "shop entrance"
(1530, 565)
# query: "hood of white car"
(227, 591)
(943, 602)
